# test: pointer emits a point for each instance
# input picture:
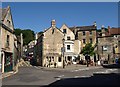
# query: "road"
(43, 77)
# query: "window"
(83, 32)
(8, 22)
(69, 58)
(105, 48)
(68, 47)
(49, 59)
(68, 37)
(64, 31)
(84, 41)
(90, 40)
(59, 59)
(115, 36)
(7, 41)
(52, 58)
(90, 32)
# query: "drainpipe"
(13, 65)
(0, 47)
(21, 37)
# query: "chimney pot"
(53, 23)
(109, 30)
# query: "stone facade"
(108, 44)
(105, 48)
(10, 45)
(85, 34)
(7, 40)
(49, 47)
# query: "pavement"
(72, 74)
(72, 68)
(21, 63)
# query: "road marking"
(81, 76)
(88, 68)
(107, 71)
(111, 70)
(59, 77)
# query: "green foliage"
(40, 32)
(17, 32)
(88, 49)
(28, 35)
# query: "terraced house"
(86, 34)
(109, 44)
(8, 41)
(72, 46)
(51, 44)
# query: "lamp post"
(63, 50)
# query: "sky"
(37, 16)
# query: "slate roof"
(110, 32)
(115, 31)
(83, 28)
(3, 12)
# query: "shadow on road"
(97, 80)
(111, 66)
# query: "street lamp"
(63, 50)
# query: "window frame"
(68, 47)
(84, 33)
(91, 41)
(68, 38)
(65, 31)
(84, 41)
(8, 41)
(90, 32)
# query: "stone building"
(49, 46)
(10, 45)
(18, 49)
(85, 34)
(7, 40)
(72, 46)
(56, 46)
(108, 44)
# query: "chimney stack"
(109, 30)
(95, 24)
(53, 23)
(103, 30)
(102, 27)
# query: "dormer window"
(64, 31)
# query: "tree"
(88, 51)
(28, 35)
(17, 31)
